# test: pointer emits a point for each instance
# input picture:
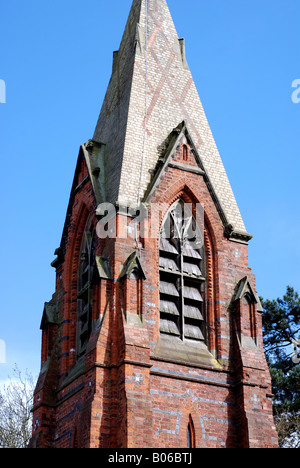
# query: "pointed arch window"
(185, 152)
(85, 288)
(191, 441)
(182, 276)
(248, 300)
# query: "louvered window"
(182, 276)
(84, 301)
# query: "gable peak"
(150, 91)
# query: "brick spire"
(171, 99)
(139, 345)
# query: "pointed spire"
(150, 93)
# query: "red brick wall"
(121, 394)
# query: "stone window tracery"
(85, 288)
(182, 276)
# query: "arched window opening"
(185, 153)
(248, 300)
(75, 440)
(135, 293)
(85, 289)
(182, 276)
(191, 441)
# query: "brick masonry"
(172, 98)
(129, 389)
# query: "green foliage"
(281, 324)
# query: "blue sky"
(56, 58)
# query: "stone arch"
(70, 276)
(188, 193)
(191, 417)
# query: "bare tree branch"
(16, 401)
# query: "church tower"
(153, 337)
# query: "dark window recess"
(191, 442)
(182, 279)
(185, 153)
(85, 290)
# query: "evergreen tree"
(281, 325)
